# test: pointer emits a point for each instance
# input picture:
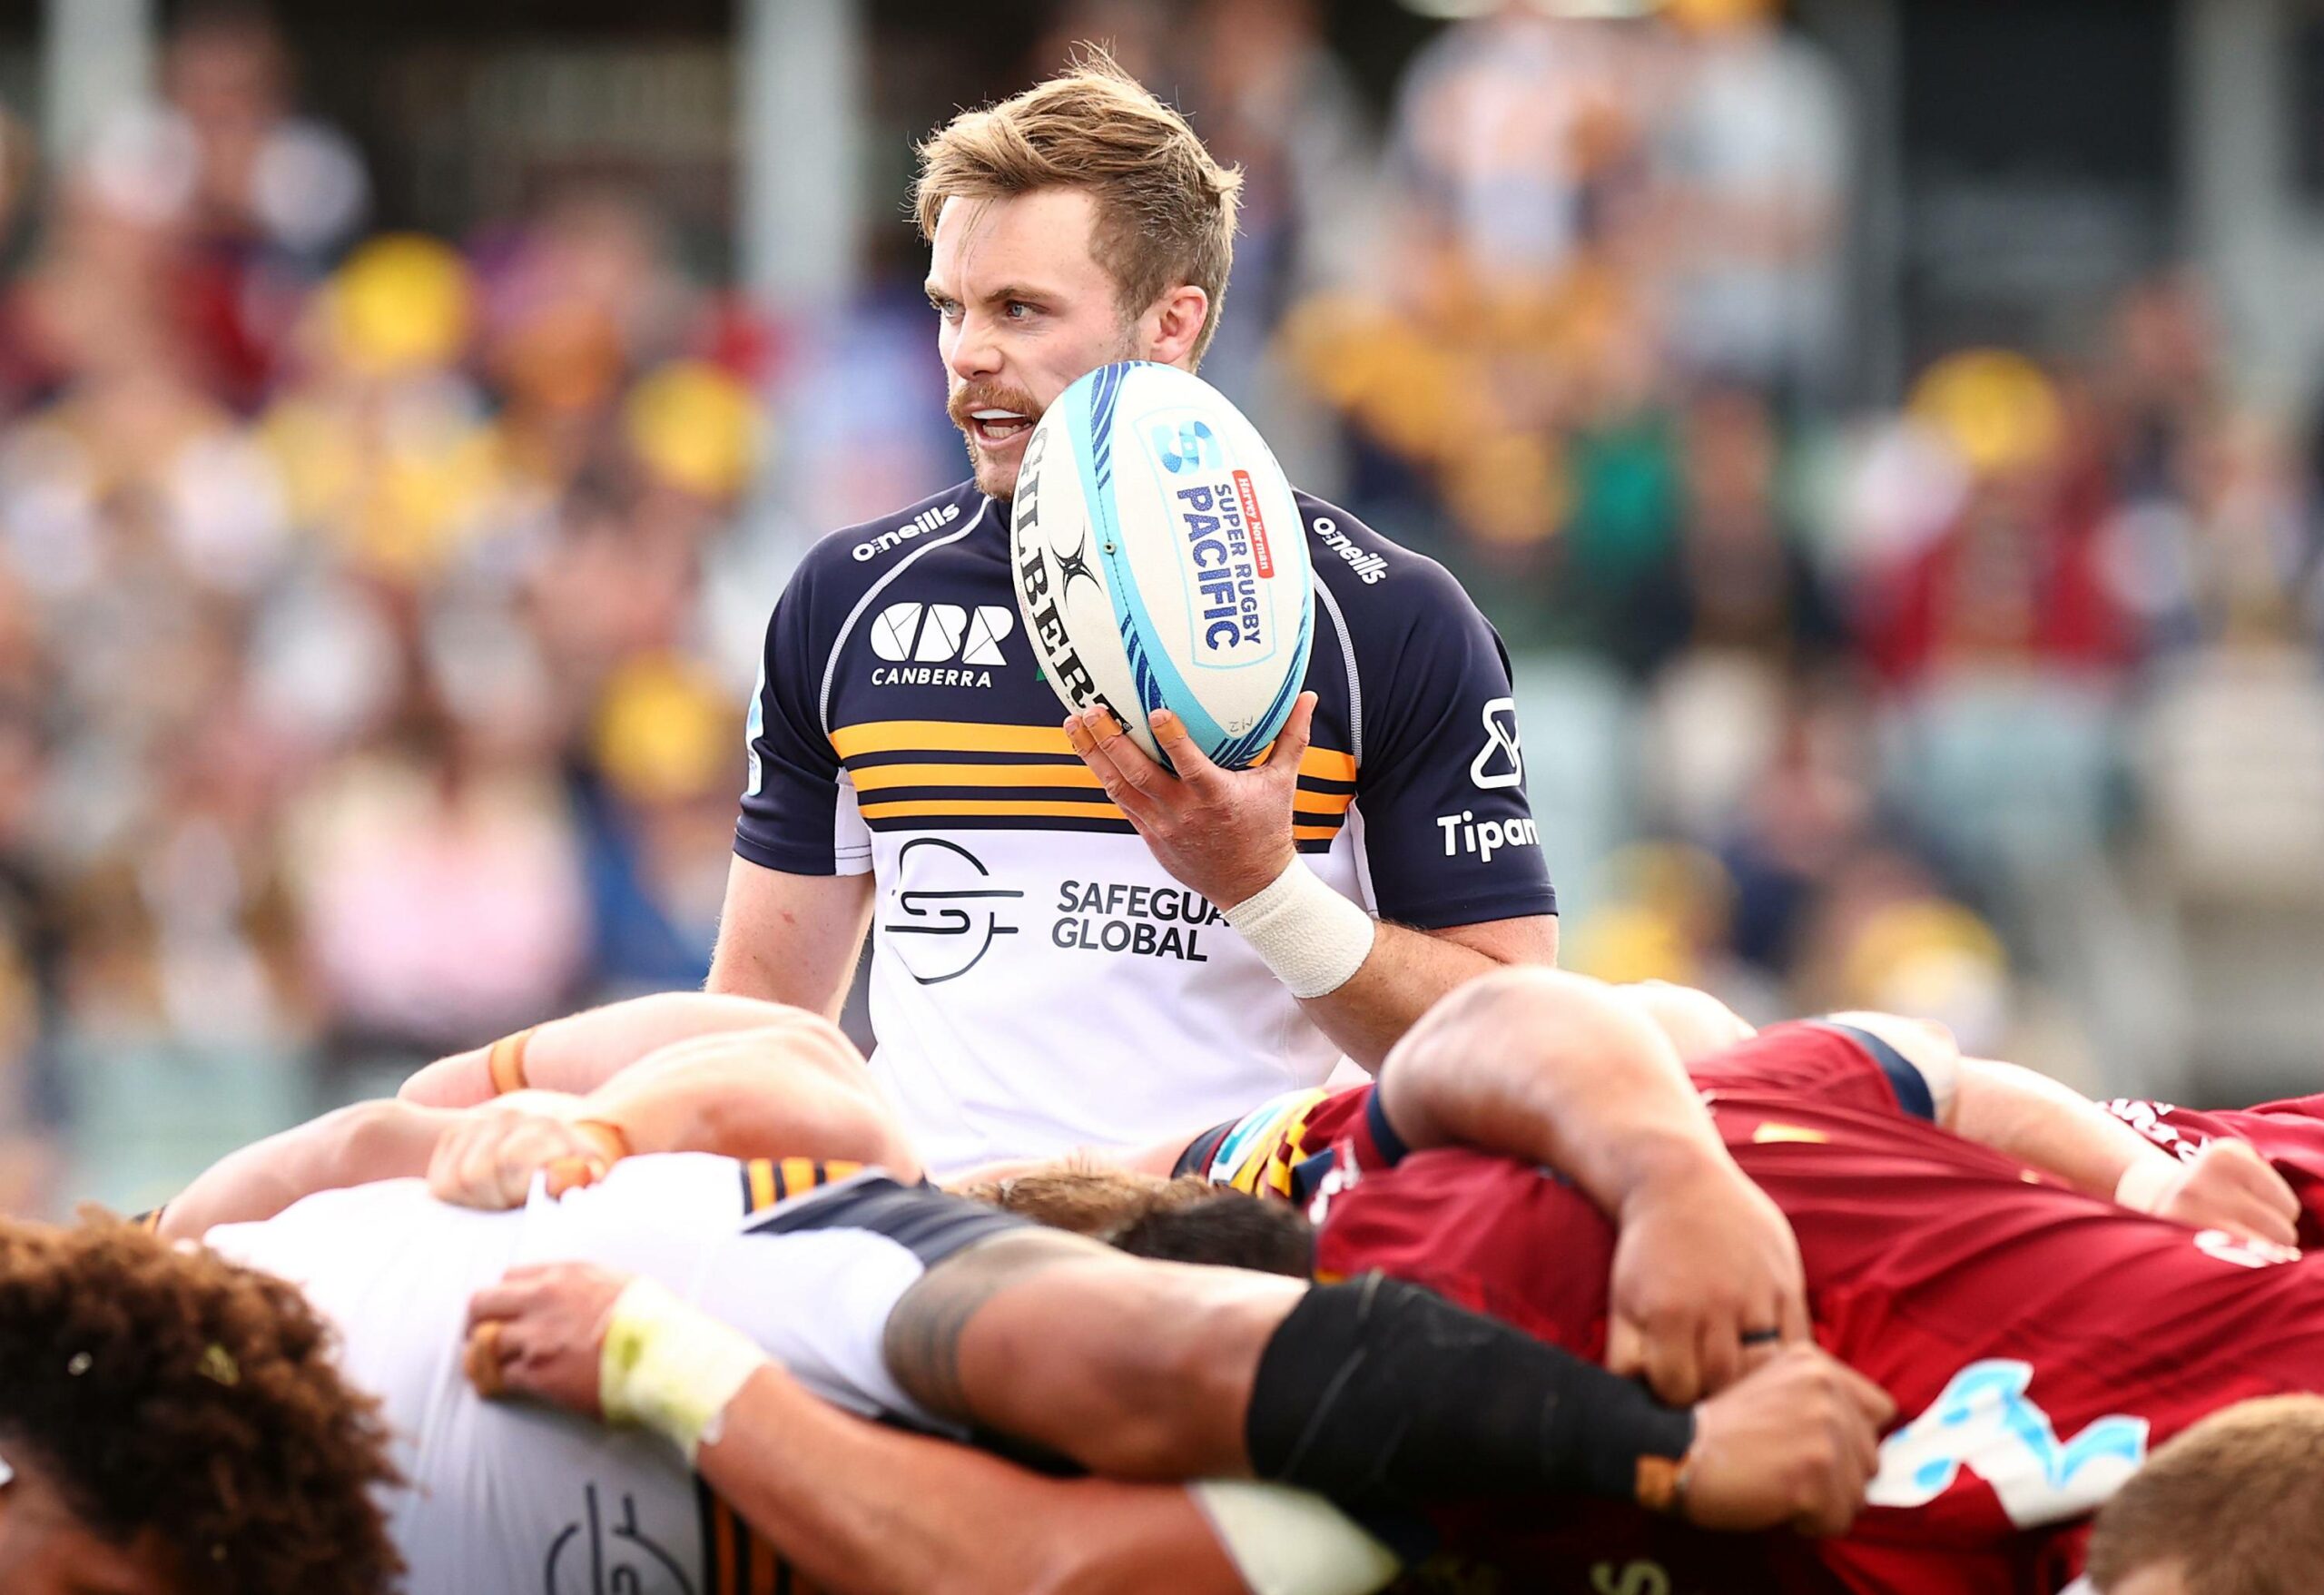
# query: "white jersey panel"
(1033, 992)
(507, 1496)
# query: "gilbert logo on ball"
(1160, 560)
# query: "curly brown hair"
(171, 1392)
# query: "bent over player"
(2039, 1341)
(171, 1424)
(1071, 944)
(1031, 1333)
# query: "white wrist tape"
(670, 1367)
(1288, 1542)
(1314, 939)
(2143, 1182)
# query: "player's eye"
(947, 309)
(1017, 310)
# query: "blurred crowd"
(355, 695)
(377, 611)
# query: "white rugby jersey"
(1039, 982)
(510, 1496)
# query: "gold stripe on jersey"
(1022, 808)
(878, 777)
(1036, 789)
(768, 1180)
(963, 736)
(949, 736)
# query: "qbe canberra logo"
(945, 913)
(939, 645)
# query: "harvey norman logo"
(918, 639)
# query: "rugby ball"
(1160, 560)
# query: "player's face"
(45, 1549)
(2152, 1581)
(1023, 308)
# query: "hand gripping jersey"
(1039, 982)
(2288, 1133)
(514, 1497)
(2038, 1343)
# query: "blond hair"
(1166, 209)
(2235, 1505)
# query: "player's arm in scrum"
(791, 1085)
(1494, 1066)
(1376, 1394)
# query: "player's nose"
(976, 353)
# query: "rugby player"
(901, 1302)
(1070, 943)
(2046, 1337)
(2039, 1341)
(1698, 1275)
(171, 1424)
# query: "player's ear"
(1174, 324)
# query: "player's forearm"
(2046, 1125)
(581, 1051)
(794, 1089)
(1406, 974)
(1554, 1068)
(1135, 1369)
(864, 1511)
(353, 1145)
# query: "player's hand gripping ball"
(1161, 561)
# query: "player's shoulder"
(844, 564)
(1382, 587)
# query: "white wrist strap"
(1314, 939)
(2142, 1183)
(1288, 1542)
(670, 1367)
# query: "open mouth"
(996, 426)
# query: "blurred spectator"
(1755, 150)
(2013, 581)
(1270, 97)
(255, 197)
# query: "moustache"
(965, 403)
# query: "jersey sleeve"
(799, 812)
(1447, 838)
(1836, 1063)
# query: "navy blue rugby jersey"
(1039, 982)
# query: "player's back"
(2037, 1341)
(507, 1496)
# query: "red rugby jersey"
(2038, 1343)
(2288, 1133)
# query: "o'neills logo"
(1368, 567)
(1248, 498)
(920, 524)
(1146, 921)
